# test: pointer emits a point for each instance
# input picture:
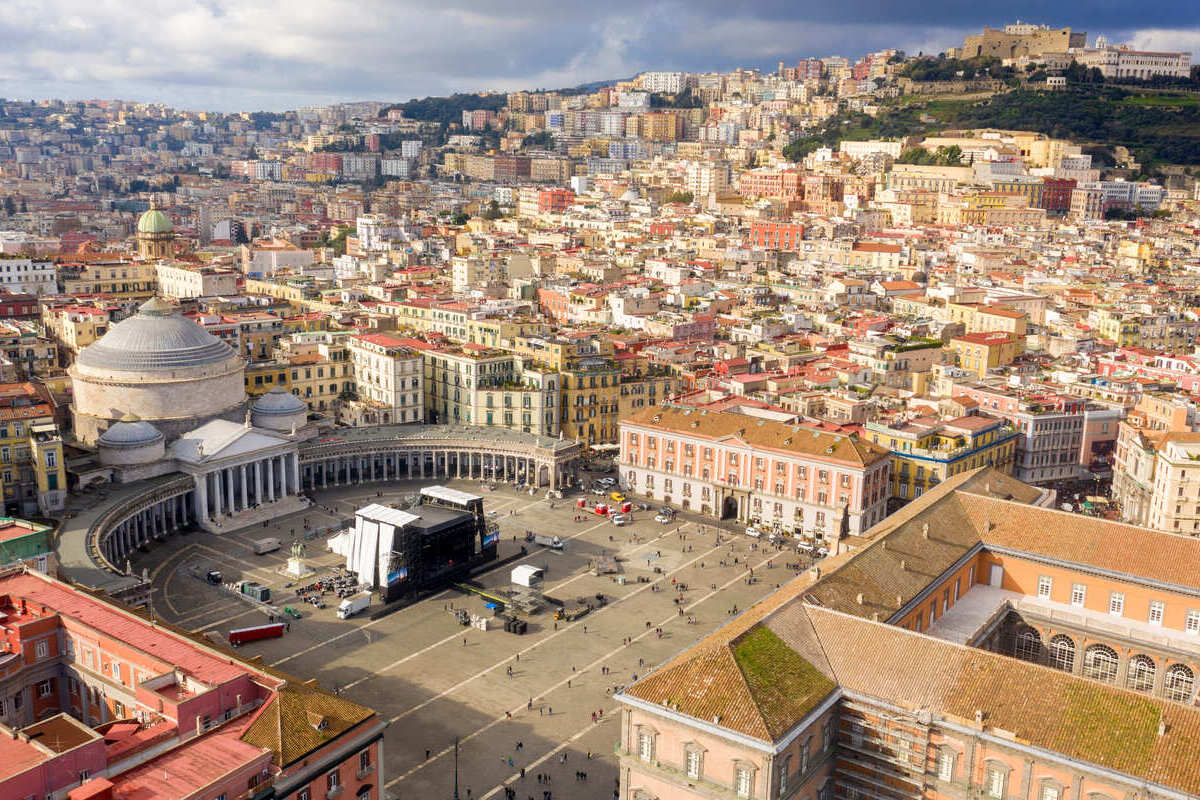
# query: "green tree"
(10, 207)
(459, 219)
(681, 197)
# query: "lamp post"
(455, 768)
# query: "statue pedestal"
(296, 568)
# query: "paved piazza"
(434, 679)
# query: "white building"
(388, 378)
(663, 82)
(26, 276)
(1122, 62)
(185, 281)
(374, 231)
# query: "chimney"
(859, 598)
(1162, 726)
(925, 531)
(199, 725)
(817, 572)
(716, 719)
(899, 601)
(903, 565)
(988, 526)
(979, 717)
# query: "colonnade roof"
(432, 433)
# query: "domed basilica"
(160, 367)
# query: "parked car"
(619, 519)
(599, 490)
(663, 518)
(607, 481)
(618, 497)
(753, 532)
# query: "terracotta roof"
(760, 433)
(285, 725)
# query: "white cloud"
(1183, 40)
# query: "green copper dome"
(154, 221)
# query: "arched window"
(1100, 663)
(1141, 673)
(1028, 646)
(1062, 653)
(1178, 683)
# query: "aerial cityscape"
(823, 428)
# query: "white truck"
(553, 542)
(527, 575)
(266, 546)
(352, 605)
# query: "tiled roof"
(763, 434)
(288, 724)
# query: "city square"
(434, 679)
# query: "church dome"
(131, 432)
(278, 401)
(130, 442)
(154, 221)
(157, 337)
(279, 410)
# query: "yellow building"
(123, 280)
(645, 389)
(1114, 326)
(926, 451)
(980, 318)
(74, 327)
(32, 469)
(591, 400)
(980, 352)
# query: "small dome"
(629, 196)
(279, 401)
(130, 432)
(154, 221)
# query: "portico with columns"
(242, 475)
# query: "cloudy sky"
(278, 54)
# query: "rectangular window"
(1156, 612)
(364, 761)
(693, 763)
(1045, 584)
(333, 781)
(41, 649)
(995, 782)
(1116, 603)
(1078, 594)
(45, 689)
(946, 765)
(646, 746)
(1191, 623)
(742, 782)
(1049, 793)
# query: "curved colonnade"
(95, 545)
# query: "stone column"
(228, 475)
(201, 497)
(258, 482)
(295, 459)
(271, 480)
(245, 493)
(218, 492)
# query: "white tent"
(369, 545)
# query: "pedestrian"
(549, 711)
(568, 683)
(522, 773)
(464, 642)
(529, 705)
(426, 755)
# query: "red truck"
(243, 635)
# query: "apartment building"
(181, 281)
(1002, 650)
(26, 276)
(1050, 426)
(732, 466)
(590, 400)
(100, 702)
(388, 381)
(123, 280)
(74, 327)
(926, 451)
(982, 352)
